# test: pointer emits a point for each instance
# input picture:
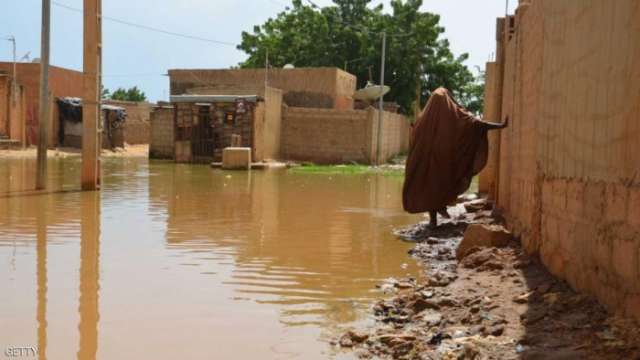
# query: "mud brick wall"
(137, 128)
(569, 166)
(337, 84)
(341, 136)
(161, 144)
(395, 134)
(62, 82)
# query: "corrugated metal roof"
(212, 98)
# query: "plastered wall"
(62, 82)
(568, 175)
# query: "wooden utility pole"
(43, 119)
(91, 98)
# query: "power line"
(149, 28)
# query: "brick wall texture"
(333, 82)
(161, 145)
(137, 128)
(568, 168)
(325, 136)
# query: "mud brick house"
(113, 118)
(322, 87)
(19, 120)
(137, 128)
(205, 125)
(313, 118)
(566, 172)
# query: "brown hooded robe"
(448, 148)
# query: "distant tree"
(473, 94)
(132, 94)
(348, 34)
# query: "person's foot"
(433, 220)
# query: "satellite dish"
(371, 92)
(289, 66)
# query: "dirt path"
(31, 152)
(496, 303)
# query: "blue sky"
(133, 56)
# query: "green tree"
(348, 34)
(473, 94)
(104, 92)
(131, 94)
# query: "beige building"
(313, 119)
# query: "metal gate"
(202, 135)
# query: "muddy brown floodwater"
(185, 262)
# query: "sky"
(136, 56)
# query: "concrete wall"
(568, 177)
(161, 143)
(334, 82)
(327, 136)
(137, 128)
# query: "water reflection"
(41, 249)
(89, 275)
(168, 260)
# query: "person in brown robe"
(448, 148)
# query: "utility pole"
(92, 64)
(381, 104)
(14, 83)
(43, 119)
(266, 70)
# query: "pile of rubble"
(483, 297)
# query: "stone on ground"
(236, 158)
(478, 235)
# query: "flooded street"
(185, 262)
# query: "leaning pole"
(92, 68)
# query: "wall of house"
(161, 139)
(338, 84)
(329, 136)
(568, 177)
(5, 98)
(62, 82)
(137, 128)
(395, 134)
(12, 110)
(273, 123)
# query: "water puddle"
(183, 262)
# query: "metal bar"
(381, 103)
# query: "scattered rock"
(523, 299)
(496, 330)
(478, 235)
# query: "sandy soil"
(495, 303)
(31, 152)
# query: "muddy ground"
(495, 303)
(31, 152)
